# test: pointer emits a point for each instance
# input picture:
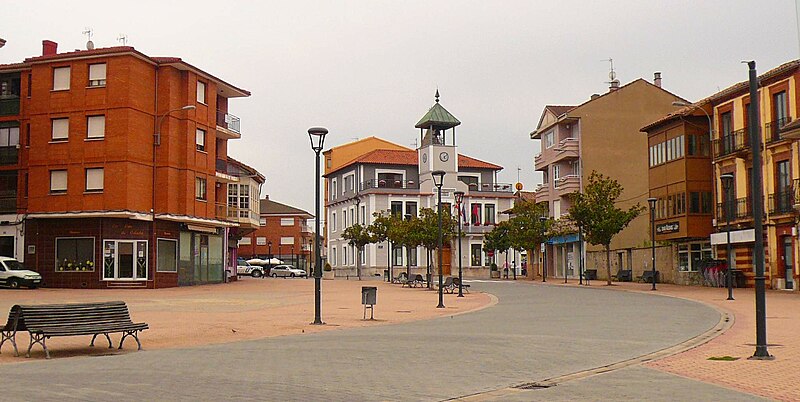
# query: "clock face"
(424, 158)
(444, 156)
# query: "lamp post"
(459, 195)
(652, 202)
(317, 137)
(269, 257)
(438, 178)
(294, 261)
(727, 179)
(543, 219)
(358, 251)
(580, 255)
(157, 136)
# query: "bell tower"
(435, 152)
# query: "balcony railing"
(492, 187)
(228, 121)
(781, 202)
(8, 204)
(9, 106)
(9, 155)
(733, 142)
(388, 184)
(741, 208)
(773, 128)
(568, 181)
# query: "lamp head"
(726, 179)
(317, 137)
(542, 218)
(681, 103)
(459, 195)
(652, 202)
(438, 177)
(189, 107)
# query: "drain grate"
(532, 385)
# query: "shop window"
(75, 254)
(167, 255)
(475, 254)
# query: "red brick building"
(283, 233)
(120, 175)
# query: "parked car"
(287, 270)
(245, 268)
(13, 274)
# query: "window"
(125, 259)
(344, 218)
(61, 78)
(261, 241)
(391, 180)
(287, 240)
(363, 255)
(490, 219)
(411, 208)
(167, 255)
(556, 172)
(779, 106)
(333, 256)
(412, 257)
(262, 221)
(287, 221)
(58, 181)
(244, 201)
(333, 221)
(397, 256)
(364, 215)
(556, 209)
(60, 129)
(691, 141)
(200, 140)
(691, 254)
(95, 126)
(397, 208)
(352, 217)
(335, 189)
(97, 75)
(344, 255)
(475, 254)
(201, 92)
(200, 188)
(94, 179)
(348, 183)
(245, 241)
(549, 139)
(475, 215)
(75, 254)
(10, 87)
(705, 202)
(9, 136)
(694, 202)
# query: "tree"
(498, 238)
(358, 236)
(595, 211)
(428, 231)
(379, 228)
(404, 233)
(526, 229)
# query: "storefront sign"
(669, 227)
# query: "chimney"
(614, 85)
(657, 79)
(595, 96)
(2, 42)
(49, 48)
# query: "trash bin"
(386, 275)
(739, 280)
(590, 274)
(369, 295)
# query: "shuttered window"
(58, 181)
(60, 129)
(97, 75)
(96, 126)
(61, 78)
(94, 179)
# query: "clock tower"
(435, 153)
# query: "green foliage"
(327, 267)
(526, 229)
(498, 238)
(380, 226)
(595, 211)
(357, 236)
(428, 230)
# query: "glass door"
(125, 259)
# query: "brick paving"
(776, 379)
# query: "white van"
(13, 274)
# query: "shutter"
(60, 129)
(96, 127)
(97, 72)
(61, 78)
(58, 180)
(94, 179)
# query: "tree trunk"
(608, 263)
(358, 264)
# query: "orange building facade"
(121, 177)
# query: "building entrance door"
(7, 246)
(446, 259)
(788, 261)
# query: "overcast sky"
(364, 68)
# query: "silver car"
(287, 270)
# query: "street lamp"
(652, 202)
(358, 251)
(294, 261)
(543, 219)
(157, 136)
(408, 251)
(580, 256)
(459, 195)
(727, 180)
(438, 178)
(317, 137)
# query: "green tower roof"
(438, 117)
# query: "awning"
(201, 229)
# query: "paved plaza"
(533, 334)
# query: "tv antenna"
(89, 33)
(122, 38)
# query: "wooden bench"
(624, 275)
(448, 285)
(464, 286)
(49, 320)
(647, 277)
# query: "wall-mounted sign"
(669, 227)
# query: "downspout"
(153, 207)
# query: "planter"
(495, 274)
(327, 275)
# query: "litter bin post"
(386, 275)
(369, 298)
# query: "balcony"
(224, 173)
(568, 148)
(567, 184)
(477, 229)
(9, 155)
(9, 105)
(228, 126)
(539, 162)
(741, 208)
(541, 193)
(8, 203)
(388, 186)
(734, 142)
(781, 202)
(491, 188)
(773, 129)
